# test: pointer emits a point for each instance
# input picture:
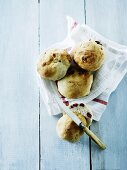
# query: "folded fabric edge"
(71, 21)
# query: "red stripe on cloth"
(74, 25)
(100, 101)
(66, 103)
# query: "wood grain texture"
(19, 93)
(53, 25)
(109, 18)
(19, 149)
(57, 154)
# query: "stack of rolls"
(74, 75)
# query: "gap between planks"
(90, 156)
(39, 88)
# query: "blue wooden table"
(28, 139)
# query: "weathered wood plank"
(109, 18)
(55, 153)
(18, 89)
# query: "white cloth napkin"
(106, 79)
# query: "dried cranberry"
(75, 105)
(66, 103)
(81, 104)
(98, 42)
(89, 115)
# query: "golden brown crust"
(89, 55)
(68, 130)
(76, 84)
(81, 117)
(84, 119)
(54, 64)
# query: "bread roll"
(89, 55)
(54, 64)
(77, 83)
(68, 130)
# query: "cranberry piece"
(98, 42)
(75, 105)
(66, 103)
(89, 115)
(81, 104)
